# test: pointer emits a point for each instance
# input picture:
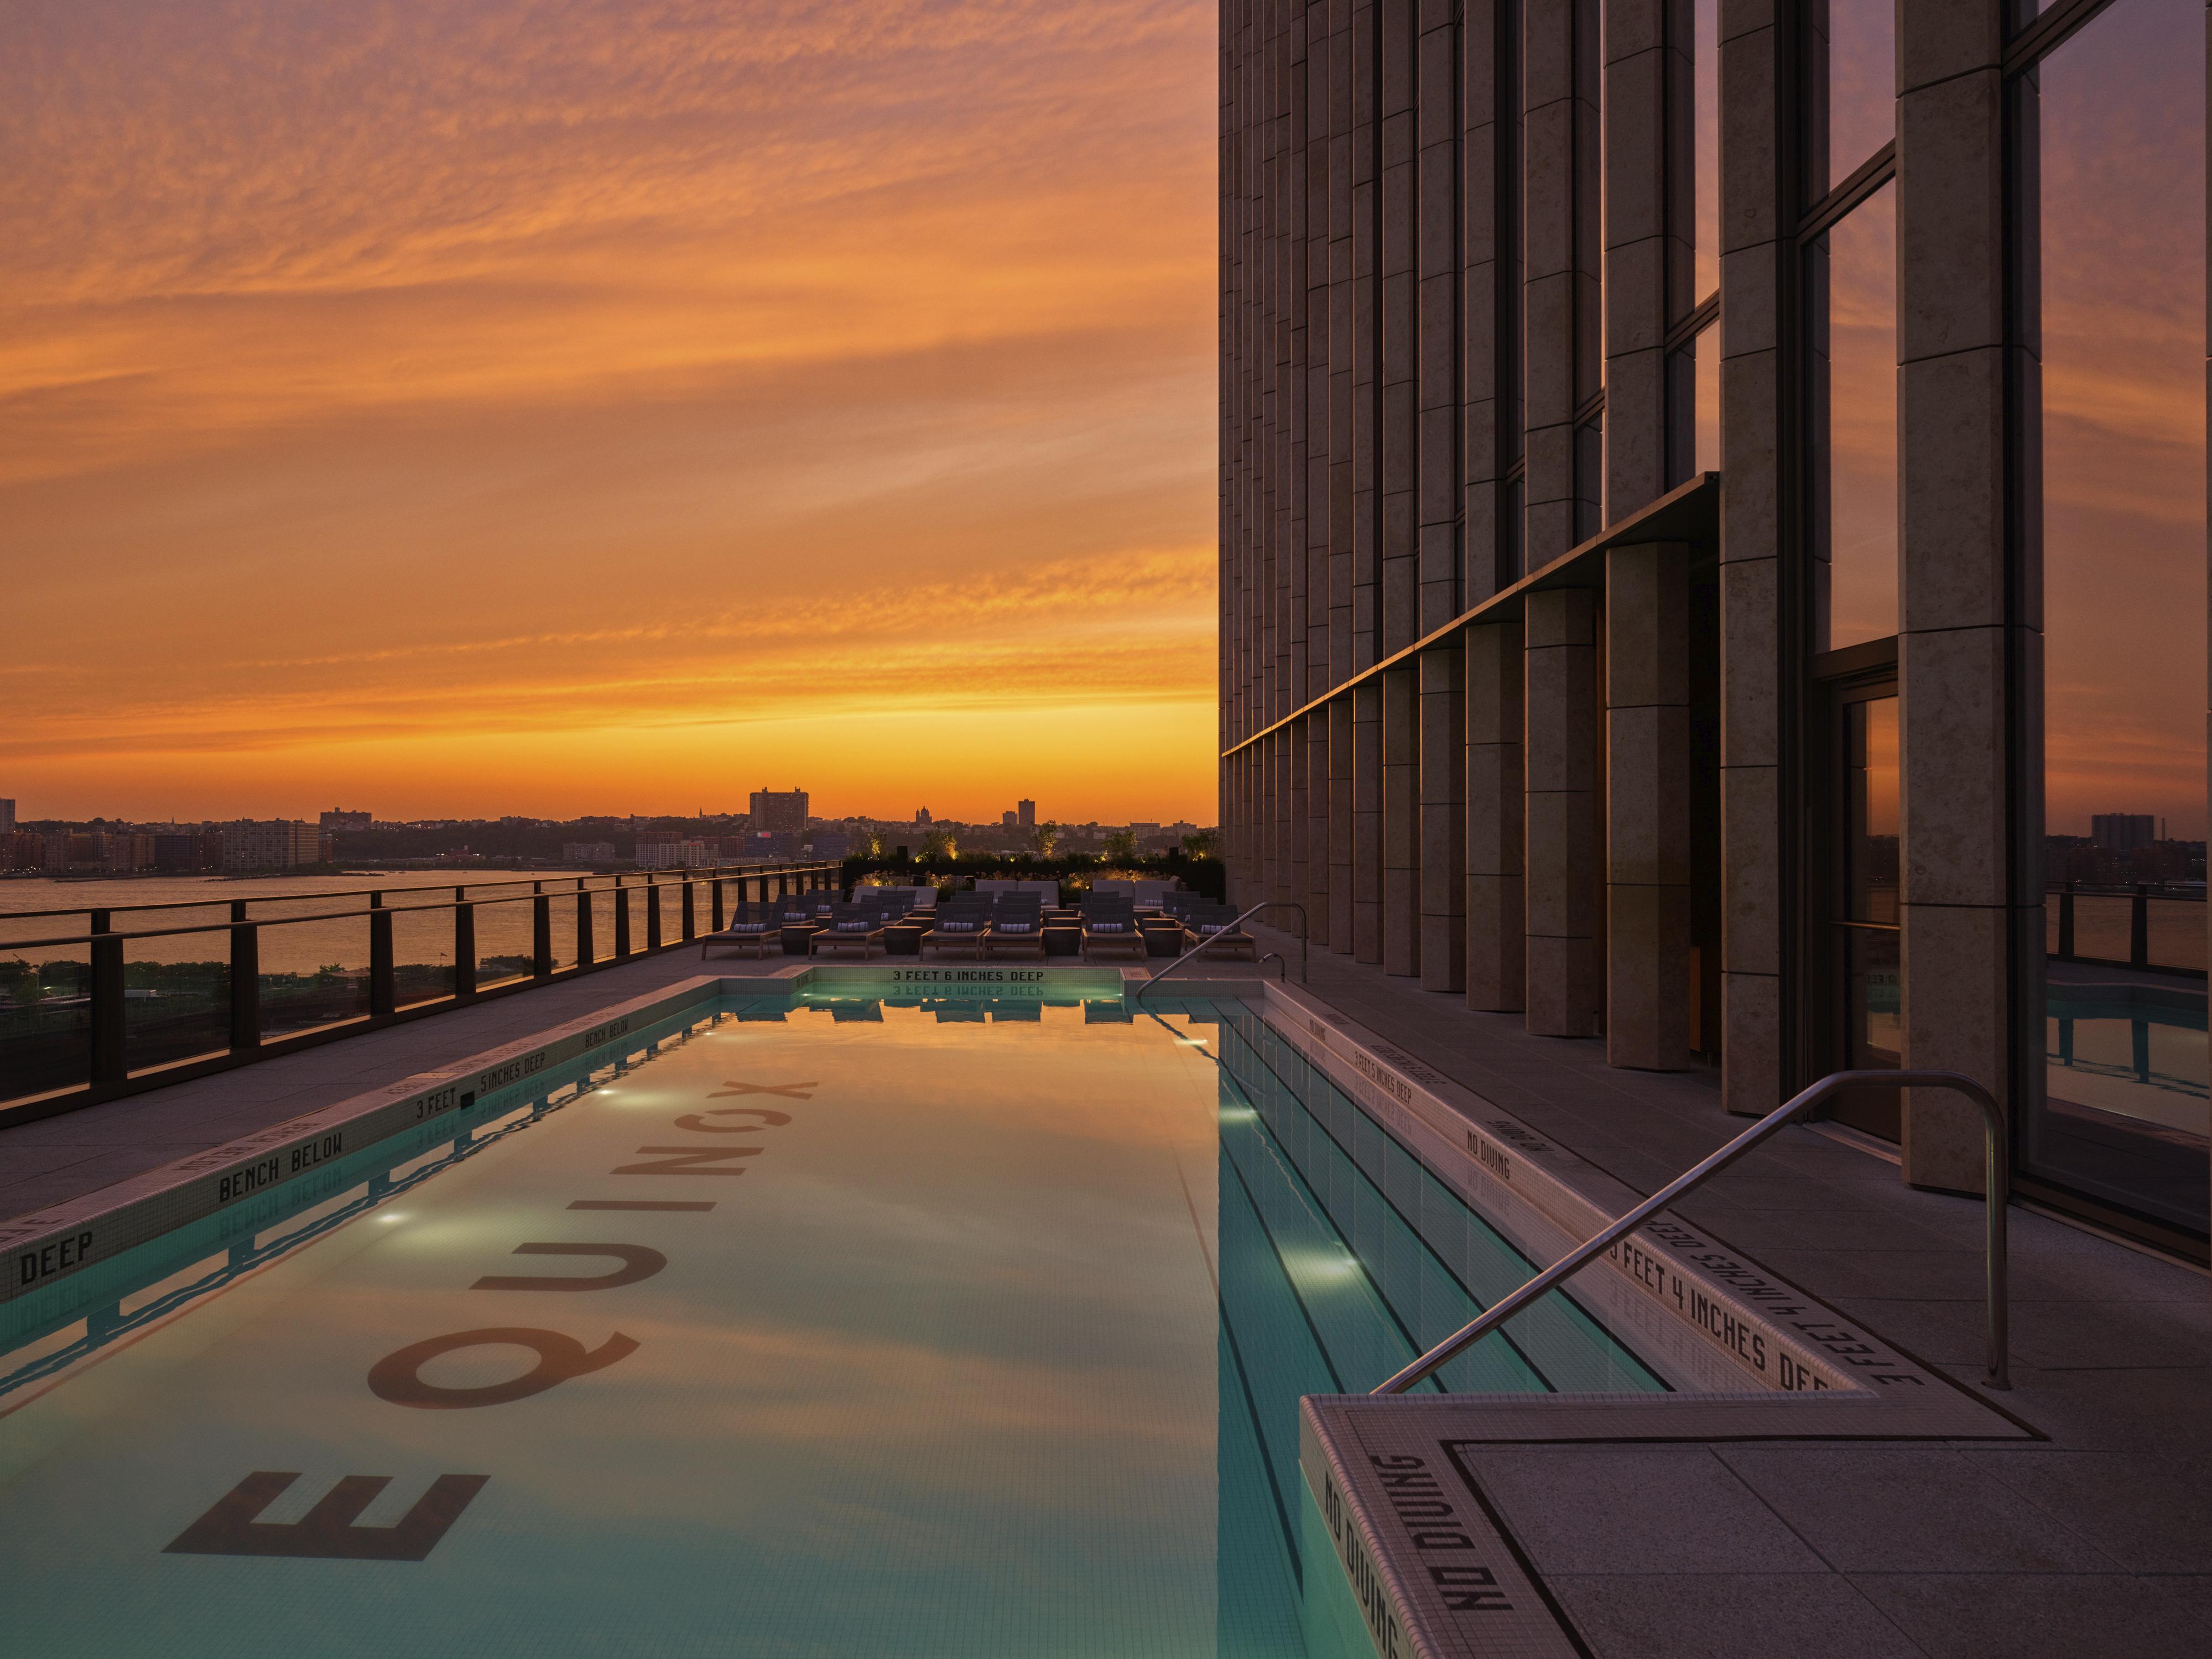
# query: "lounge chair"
(1215, 927)
(1109, 927)
(751, 928)
(963, 924)
(849, 926)
(1016, 928)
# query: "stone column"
(1758, 221)
(1319, 864)
(1289, 813)
(1648, 271)
(1565, 876)
(1342, 334)
(1367, 821)
(1340, 836)
(1648, 964)
(1562, 360)
(1970, 630)
(1366, 345)
(1398, 457)
(1443, 850)
(1402, 821)
(1485, 229)
(1293, 738)
(1496, 936)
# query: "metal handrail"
(1215, 939)
(675, 876)
(1993, 1117)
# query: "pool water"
(812, 1324)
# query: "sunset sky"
(558, 407)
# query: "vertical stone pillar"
(1398, 455)
(1496, 934)
(1442, 852)
(1291, 498)
(1320, 867)
(1566, 872)
(1340, 836)
(1563, 352)
(1366, 344)
(1367, 821)
(1288, 813)
(1759, 218)
(1968, 650)
(1301, 819)
(1648, 271)
(1647, 806)
(1402, 821)
(1342, 335)
(1487, 231)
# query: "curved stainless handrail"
(1264, 904)
(1994, 1189)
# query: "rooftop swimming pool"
(804, 1324)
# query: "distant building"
(658, 837)
(779, 812)
(922, 814)
(1006, 820)
(337, 819)
(21, 850)
(273, 844)
(587, 851)
(672, 854)
(7, 815)
(1026, 814)
(188, 851)
(2122, 832)
(121, 853)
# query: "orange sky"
(565, 407)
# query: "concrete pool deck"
(2096, 1538)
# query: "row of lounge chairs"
(985, 926)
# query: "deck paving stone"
(1910, 1508)
(1737, 1615)
(2044, 1616)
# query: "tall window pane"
(1706, 143)
(2116, 217)
(1851, 87)
(1709, 398)
(1852, 290)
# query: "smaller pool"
(817, 1323)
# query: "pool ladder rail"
(1215, 939)
(1994, 1189)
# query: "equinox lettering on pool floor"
(328, 1531)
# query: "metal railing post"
(109, 1062)
(586, 948)
(2066, 923)
(651, 913)
(2139, 927)
(465, 946)
(541, 933)
(716, 885)
(383, 993)
(245, 980)
(1995, 1197)
(690, 910)
(621, 921)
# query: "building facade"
(1712, 506)
(779, 812)
(271, 844)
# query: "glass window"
(1707, 347)
(1706, 143)
(2114, 223)
(1850, 87)
(1851, 296)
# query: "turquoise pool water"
(817, 1325)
